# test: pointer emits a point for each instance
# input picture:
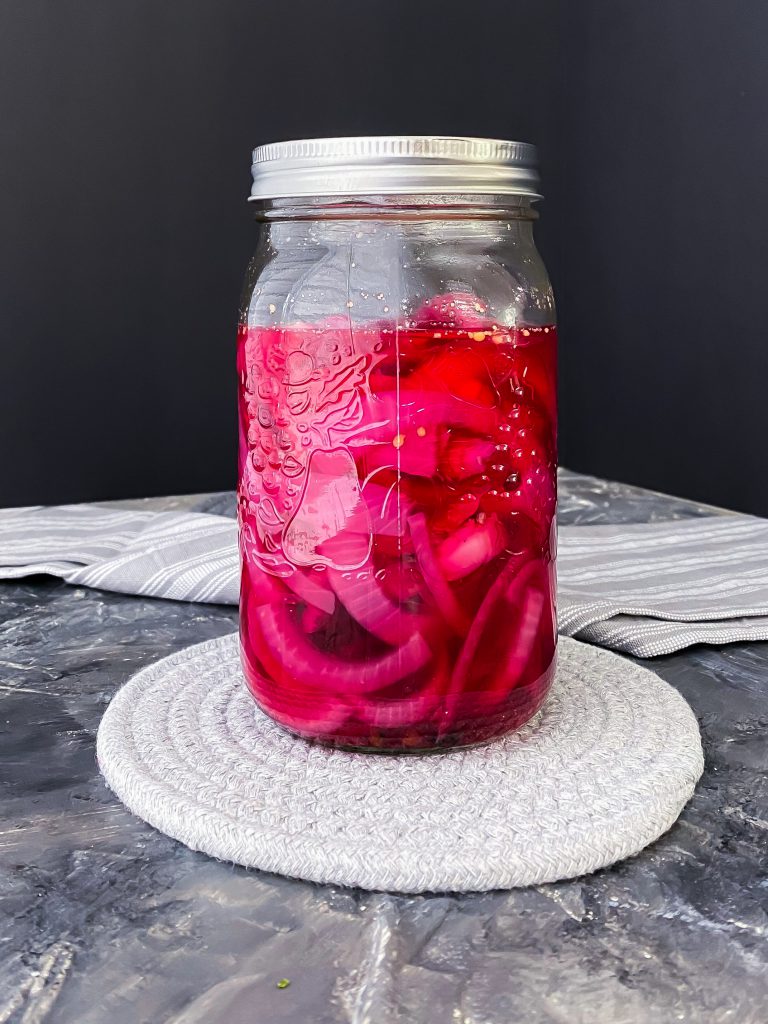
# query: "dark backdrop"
(125, 133)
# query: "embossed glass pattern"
(397, 403)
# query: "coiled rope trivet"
(602, 771)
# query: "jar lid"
(394, 164)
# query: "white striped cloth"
(655, 588)
(183, 556)
(645, 589)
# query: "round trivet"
(603, 770)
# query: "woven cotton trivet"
(603, 770)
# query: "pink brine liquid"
(396, 507)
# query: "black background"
(125, 137)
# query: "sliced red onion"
(262, 587)
(417, 708)
(312, 619)
(526, 633)
(434, 579)
(472, 545)
(285, 649)
(312, 716)
(396, 714)
(517, 572)
(367, 603)
(388, 507)
(406, 453)
(413, 409)
(330, 504)
(308, 586)
(465, 457)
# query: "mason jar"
(397, 454)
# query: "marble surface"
(105, 919)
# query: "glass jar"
(397, 455)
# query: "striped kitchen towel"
(645, 589)
(183, 556)
(654, 588)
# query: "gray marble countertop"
(106, 920)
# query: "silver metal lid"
(394, 164)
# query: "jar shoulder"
(306, 272)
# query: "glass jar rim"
(394, 164)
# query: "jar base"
(484, 734)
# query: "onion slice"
(285, 650)
(471, 546)
(434, 579)
(367, 603)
